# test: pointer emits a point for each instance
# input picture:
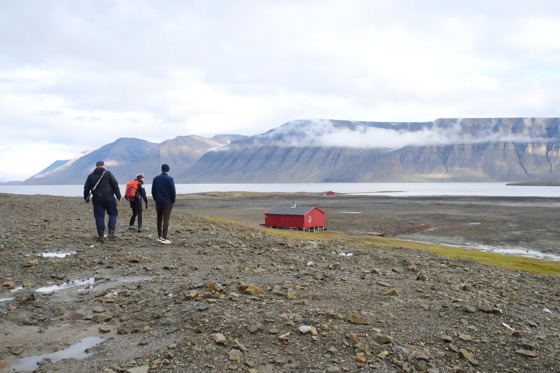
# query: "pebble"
(219, 338)
(464, 354)
(465, 337)
(250, 289)
(9, 284)
(360, 359)
(355, 319)
(353, 339)
(488, 308)
(16, 349)
(421, 365)
(291, 294)
(421, 276)
(235, 355)
(255, 328)
(140, 369)
(390, 293)
(382, 338)
(527, 353)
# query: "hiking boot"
(112, 233)
(131, 228)
(100, 236)
(139, 228)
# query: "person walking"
(163, 193)
(102, 186)
(139, 195)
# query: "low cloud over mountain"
(476, 149)
(396, 135)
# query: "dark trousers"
(100, 207)
(163, 214)
(136, 207)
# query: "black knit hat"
(100, 163)
(139, 176)
(164, 168)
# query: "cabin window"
(309, 219)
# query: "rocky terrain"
(225, 297)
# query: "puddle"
(56, 255)
(77, 351)
(350, 212)
(51, 289)
(345, 254)
(520, 252)
(515, 251)
(88, 283)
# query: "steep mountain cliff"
(476, 149)
(510, 149)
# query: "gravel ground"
(229, 298)
(483, 222)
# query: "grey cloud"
(205, 67)
(372, 135)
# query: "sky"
(76, 75)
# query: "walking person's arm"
(143, 195)
(115, 186)
(87, 190)
(172, 191)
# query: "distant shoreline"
(536, 183)
(493, 189)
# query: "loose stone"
(219, 338)
(464, 354)
(355, 319)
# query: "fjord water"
(381, 189)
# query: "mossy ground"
(530, 265)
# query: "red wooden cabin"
(299, 217)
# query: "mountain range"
(457, 150)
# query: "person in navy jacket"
(102, 186)
(163, 193)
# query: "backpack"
(131, 190)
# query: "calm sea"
(386, 189)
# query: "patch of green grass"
(534, 266)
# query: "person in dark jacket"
(163, 192)
(103, 187)
(136, 204)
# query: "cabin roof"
(288, 210)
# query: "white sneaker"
(160, 239)
(165, 240)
